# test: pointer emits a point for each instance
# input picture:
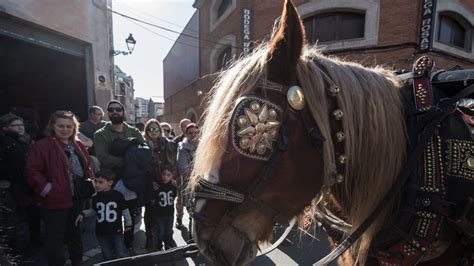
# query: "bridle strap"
(207, 190)
(249, 200)
(441, 111)
(317, 138)
(211, 191)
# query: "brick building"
(372, 32)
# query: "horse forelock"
(374, 126)
(232, 83)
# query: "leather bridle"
(249, 199)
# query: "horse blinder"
(254, 127)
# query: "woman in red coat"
(52, 166)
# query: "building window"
(224, 5)
(225, 57)
(335, 26)
(451, 31)
(223, 53)
(220, 10)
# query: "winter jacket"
(185, 158)
(13, 154)
(48, 163)
(137, 167)
(103, 139)
(179, 138)
(164, 151)
(186, 152)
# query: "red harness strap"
(422, 90)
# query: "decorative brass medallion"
(295, 97)
(334, 90)
(254, 127)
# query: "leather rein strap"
(437, 114)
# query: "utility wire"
(160, 27)
(138, 12)
(170, 39)
(166, 37)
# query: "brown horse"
(349, 151)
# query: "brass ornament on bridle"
(254, 127)
(295, 97)
(338, 114)
(334, 90)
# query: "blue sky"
(145, 65)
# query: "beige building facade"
(55, 55)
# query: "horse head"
(273, 142)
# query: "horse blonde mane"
(375, 143)
(373, 123)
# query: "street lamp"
(130, 41)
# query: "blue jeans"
(111, 243)
(164, 232)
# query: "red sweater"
(48, 163)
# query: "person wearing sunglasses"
(55, 167)
(167, 130)
(103, 139)
(18, 216)
(164, 152)
(182, 126)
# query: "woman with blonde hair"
(54, 167)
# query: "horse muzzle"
(229, 247)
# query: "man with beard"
(103, 139)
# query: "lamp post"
(130, 41)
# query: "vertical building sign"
(246, 31)
(428, 12)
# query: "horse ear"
(286, 46)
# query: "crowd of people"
(107, 170)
